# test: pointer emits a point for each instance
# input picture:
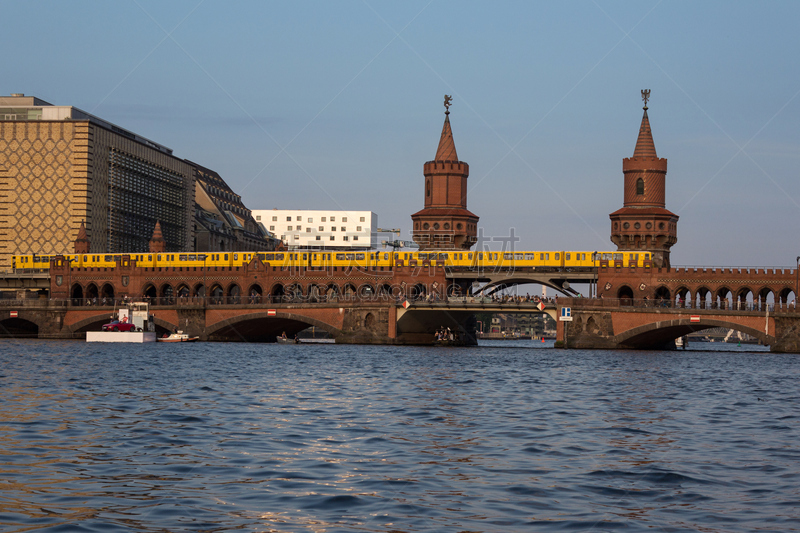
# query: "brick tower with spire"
(445, 223)
(157, 242)
(644, 224)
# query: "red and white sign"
(695, 318)
(540, 307)
(406, 304)
(13, 314)
(271, 312)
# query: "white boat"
(179, 336)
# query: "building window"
(272, 228)
(289, 228)
(332, 237)
(358, 228)
(258, 217)
(355, 237)
(274, 219)
(344, 219)
(333, 228)
(288, 219)
(299, 228)
(308, 230)
(321, 228)
(344, 229)
(640, 186)
(299, 219)
(333, 219)
(345, 238)
(362, 219)
(319, 237)
(296, 237)
(323, 219)
(310, 220)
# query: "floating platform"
(121, 336)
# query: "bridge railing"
(737, 306)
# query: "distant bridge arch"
(655, 333)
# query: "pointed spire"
(157, 242)
(82, 241)
(447, 147)
(645, 147)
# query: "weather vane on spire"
(447, 103)
(645, 97)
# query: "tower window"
(428, 188)
(640, 186)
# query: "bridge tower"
(644, 224)
(445, 223)
(82, 243)
(157, 242)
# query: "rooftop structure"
(336, 230)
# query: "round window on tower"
(459, 225)
(435, 225)
(425, 226)
(626, 225)
(446, 225)
(661, 226)
(648, 225)
(637, 225)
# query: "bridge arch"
(234, 294)
(92, 292)
(76, 292)
(18, 327)
(625, 293)
(149, 291)
(107, 291)
(658, 333)
(260, 326)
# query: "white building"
(299, 228)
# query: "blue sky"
(337, 105)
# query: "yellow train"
(372, 259)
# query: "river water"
(506, 436)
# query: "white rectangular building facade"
(298, 228)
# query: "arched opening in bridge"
(418, 292)
(315, 293)
(625, 295)
(92, 293)
(18, 328)
(294, 293)
(332, 292)
(255, 293)
(722, 298)
(150, 292)
(369, 321)
(76, 294)
(366, 292)
(385, 291)
(744, 297)
(683, 297)
(260, 327)
(349, 291)
(277, 293)
(786, 300)
(199, 291)
(663, 296)
(234, 294)
(183, 291)
(703, 298)
(107, 293)
(766, 299)
(166, 295)
(216, 294)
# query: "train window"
(558, 255)
(158, 257)
(349, 257)
(422, 256)
(583, 257)
(443, 257)
(224, 257)
(567, 256)
(547, 257)
(183, 257)
(85, 257)
(279, 257)
(359, 257)
(541, 257)
(340, 257)
(517, 256)
(480, 256)
(385, 257)
(235, 257)
(617, 257)
(149, 257)
(405, 256)
(305, 256)
(647, 257)
(469, 257)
